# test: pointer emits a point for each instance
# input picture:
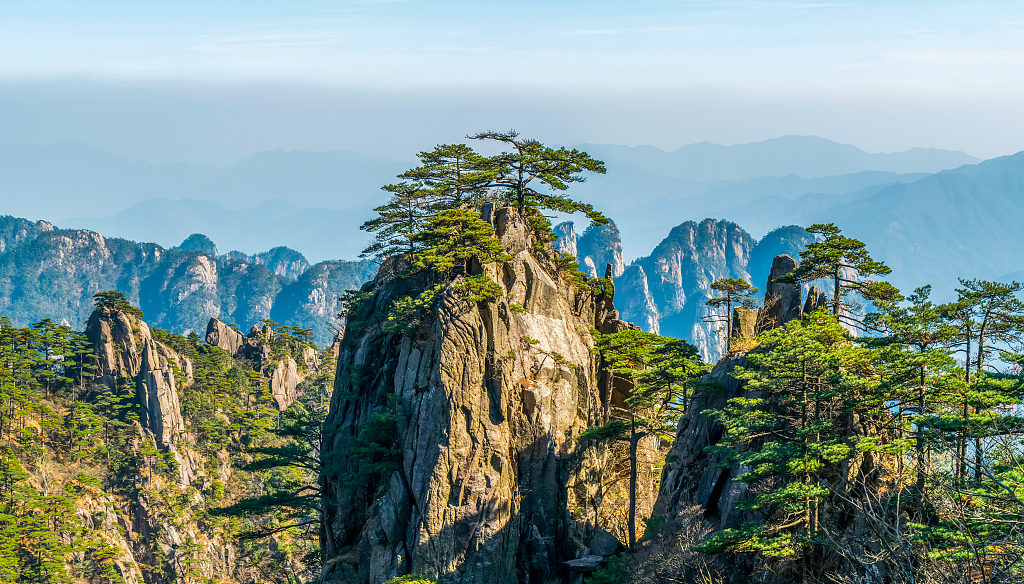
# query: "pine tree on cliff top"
(530, 160)
(735, 292)
(847, 263)
(453, 176)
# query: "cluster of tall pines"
(880, 437)
(71, 449)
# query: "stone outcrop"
(221, 335)
(284, 381)
(490, 484)
(782, 300)
(692, 475)
(815, 300)
(744, 322)
(635, 299)
(284, 375)
(126, 349)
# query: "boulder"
(782, 300)
(604, 543)
(221, 335)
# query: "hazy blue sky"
(215, 81)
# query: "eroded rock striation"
(480, 406)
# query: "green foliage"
(810, 375)
(478, 288)
(614, 572)
(452, 237)
(847, 263)
(116, 301)
(377, 449)
(662, 372)
(412, 579)
(529, 160)
(407, 312)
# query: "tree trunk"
(634, 439)
(836, 293)
(920, 449)
(977, 377)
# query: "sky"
(213, 82)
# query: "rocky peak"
(283, 261)
(489, 483)
(666, 291)
(599, 246)
(198, 242)
(567, 238)
(782, 300)
(127, 350)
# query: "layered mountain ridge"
(52, 273)
(665, 292)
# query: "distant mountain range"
(304, 200)
(317, 233)
(933, 215)
(805, 156)
(53, 273)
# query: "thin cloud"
(588, 32)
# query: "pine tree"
(735, 292)
(452, 238)
(397, 221)
(807, 376)
(845, 262)
(918, 370)
(988, 318)
(528, 161)
(661, 371)
(453, 175)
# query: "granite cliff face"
(479, 407)
(598, 247)
(126, 349)
(53, 273)
(149, 530)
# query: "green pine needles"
(432, 224)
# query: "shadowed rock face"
(491, 484)
(782, 300)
